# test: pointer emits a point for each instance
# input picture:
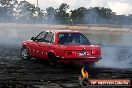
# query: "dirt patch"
(35, 73)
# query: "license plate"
(82, 53)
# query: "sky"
(118, 6)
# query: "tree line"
(23, 11)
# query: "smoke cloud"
(116, 57)
(11, 35)
(115, 50)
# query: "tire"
(24, 53)
(52, 60)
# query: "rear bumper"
(90, 59)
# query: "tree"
(7, 9)
(101, 12)
(84, 15)
(50, 14)
(78, 15)
(40, 15)
(50, 11)
(61, 14)
(28, 12)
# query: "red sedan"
(61, 46)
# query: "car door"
(36, 43)
(47, 44)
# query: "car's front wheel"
(24, 53)
(52, 60)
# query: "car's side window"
(40, 37)
(49, 37)
(84, 40)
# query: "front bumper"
(90, 59)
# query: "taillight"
(95, 52)
(71, 53)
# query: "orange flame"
(84, 73)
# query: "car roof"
(63, 31)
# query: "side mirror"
(33, 38)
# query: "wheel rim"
(52, 61)
(24, 53)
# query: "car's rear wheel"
(52, 60)
(24, 53)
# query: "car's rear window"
(72, 38)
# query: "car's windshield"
(73, 38)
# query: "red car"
(61, 46)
